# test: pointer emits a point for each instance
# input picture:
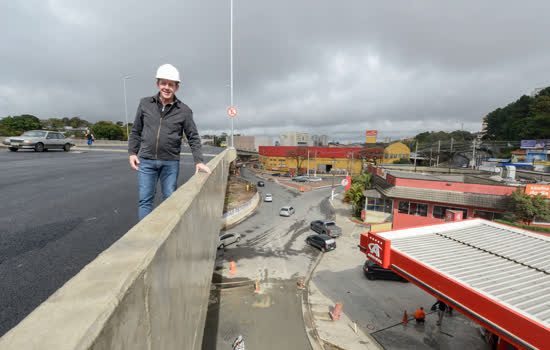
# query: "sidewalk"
(343, 333)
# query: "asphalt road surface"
(272, 251)
(58, 211)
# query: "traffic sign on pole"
(232, 111)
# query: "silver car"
(39, 140)
(286, 211)
(228, 239)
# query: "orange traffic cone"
(335, 314)
(257, 287)
(405, 318)
(232, 269)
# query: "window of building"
(487, 215)
(439, 211)
(386, 156)
(379, 205)
(413, 208)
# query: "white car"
(315, 179)
(228, 239)
(286, 211)
(268, 197)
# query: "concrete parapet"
(149, 290)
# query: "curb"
(314, 339)
(247, 214)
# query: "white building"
(294, 139)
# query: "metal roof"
(440, 196)
(509, 265)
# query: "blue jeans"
(150, 171)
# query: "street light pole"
(126, 106)
(231, 55)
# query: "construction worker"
(238, 344)
(154, 144)
(419, 315)
(441, 308)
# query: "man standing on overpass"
(154, 144)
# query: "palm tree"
(357, 198)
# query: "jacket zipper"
(158, 133)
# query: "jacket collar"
(156, 99)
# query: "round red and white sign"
(344, 182)
(232, 111)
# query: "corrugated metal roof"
(509, 265)
(450, 197)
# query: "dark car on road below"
(326, 227)
(322, 242)
(374, 271)
(261, 184)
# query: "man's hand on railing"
(203, 167)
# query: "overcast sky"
(317, 66)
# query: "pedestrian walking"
(154, 144)
(90, 138)
(419, 315)
(441, 307)
(238, 344)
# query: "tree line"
(16, 125)
(527, 118)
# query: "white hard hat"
(169, 72)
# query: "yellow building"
(396, 151)
(324, 159)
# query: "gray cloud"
(336, 68)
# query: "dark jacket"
(157, 134)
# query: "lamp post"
(126, 105)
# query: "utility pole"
(308, 161)
(333, 172)
(415, 155)
(474, 155)
(452, 157)
(430, 155)
(351, 167)
(315, 163)
(438, 149)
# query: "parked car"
(300, 179)
(322, 242)
(315, 179)
(39, 140)
(286, 175)
(326, 227)
(228, 239)
(268, 197)
(276, 174)
(374, 271)
(286, 211)
(261, 184)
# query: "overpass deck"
(495, 274)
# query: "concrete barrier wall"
(149, 290)
(237, 215)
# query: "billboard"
(372, 132)
(533, 190)
(537, 144)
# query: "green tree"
(363, 180)
(402, 161)
(18, 124)
(357, 198)
(526, 207)
(107, 130)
